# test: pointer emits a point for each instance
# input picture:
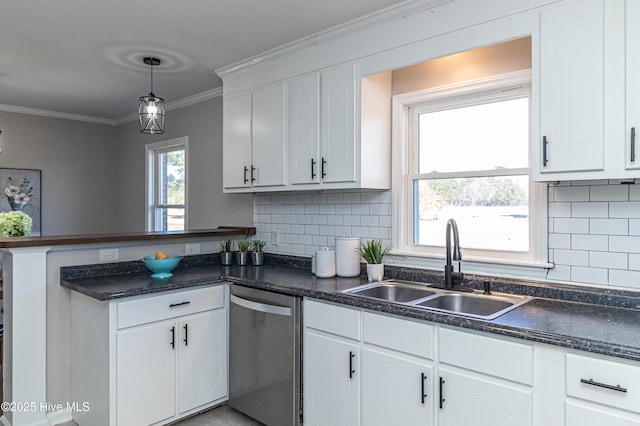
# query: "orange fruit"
(161, 255)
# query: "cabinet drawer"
(332, 319)
(489, 355)
(603, 378)
(411, 337)
(169, 305)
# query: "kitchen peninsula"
(36, 364)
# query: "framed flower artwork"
(20, 191)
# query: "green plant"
(372, 251)
(225, 245)
(258, 245)
(243, 246)
(14, 224)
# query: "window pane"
(172, 177)
(492, 212)
(169, 219)
(480, 137)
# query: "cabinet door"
(236, 145)
(338, 124)
(146, 373)
(471, 400)
(203, 359)
(396, 391)
(572, 87)
(582, 415)
(302, 124)
(633, 84)
(331, 375)
(268, 156)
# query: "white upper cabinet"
(572, 87)
(633, 84)
(337, 124)
(313, 131)
(253, 148)
(236, 150)
(303, 137)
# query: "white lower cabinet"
(155, 359)
(470, 399)
(396, 391)
(331, 381)
(578, 414)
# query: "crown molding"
(57, 114)
(180, 103)
(374, 19)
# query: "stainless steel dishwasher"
(264, 355)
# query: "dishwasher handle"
(261, 307)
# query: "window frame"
(152, 179)
(405, 169)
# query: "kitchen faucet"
(452, 278)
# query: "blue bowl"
(161, 268)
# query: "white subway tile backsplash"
(570, 226)
(570, 193)
(609, 193)
(589, 242)
(629, 209)
(590, 209)
(593, 226)
(609, 226)
(560, 209)
(589, 275)
(608, 260)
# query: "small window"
(467, 158)
(167, 185)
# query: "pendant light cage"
(151, 107)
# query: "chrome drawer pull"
(616, 388)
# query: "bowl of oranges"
(161, 264)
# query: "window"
(167, 185)
(464, 154)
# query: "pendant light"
(151, 110)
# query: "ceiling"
(85, 56)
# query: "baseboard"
(59, 417)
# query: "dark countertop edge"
(105, 297)
(59, 240)
(460, 321)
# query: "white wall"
(77, 160)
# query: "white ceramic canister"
(347, 259)
(325, 263)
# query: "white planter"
(375, 272)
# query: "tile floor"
(220, 416)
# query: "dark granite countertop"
(557, 316)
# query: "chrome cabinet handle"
(545, 142)
(591, 382)
(313, 163)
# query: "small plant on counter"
(15, 224)
(258, 246)
(243, 246)
(372, 251)
(225, 246)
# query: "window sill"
(495, 267)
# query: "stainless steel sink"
(392, 291)
(475, 305)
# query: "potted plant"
(14, 224)
(257, 255)
(225, 252)
(242, 255)
(373, 253)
